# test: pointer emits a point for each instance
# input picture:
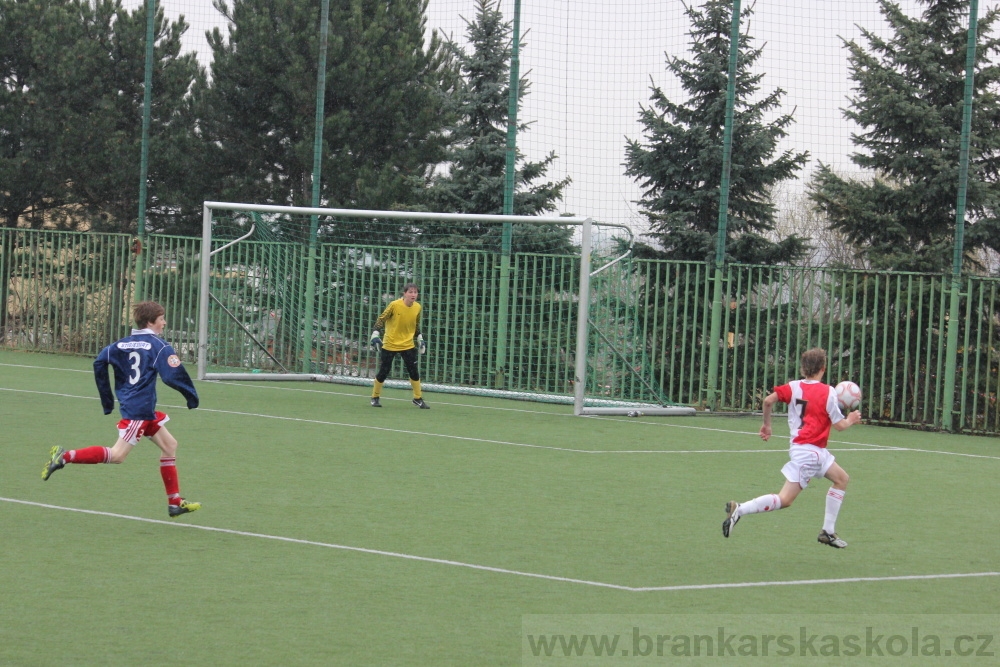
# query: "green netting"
(273, 310)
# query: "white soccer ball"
(848, 395)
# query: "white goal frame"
(581, 405)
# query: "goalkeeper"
(401, 321)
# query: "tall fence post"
(951, 358)
(310, 293)
(720, 241)
(582, 322)
(7, 238)
(508, 200)
(147, 106)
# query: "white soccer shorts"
(806, 462)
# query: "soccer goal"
(292, 293)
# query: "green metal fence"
(63, 291)
(256, 320)
(71, 292)
(885, 331)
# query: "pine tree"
(679, 165)
(476, 159)
(32, 82)
(383, 105)
(102, 155)
(71, 113)
(909, 104)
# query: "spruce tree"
(103, 153)
(71, 114)
(476, 160)
(383, 105)
(679, 163)
(909, 104)
(33, 85)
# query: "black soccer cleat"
(732, 517)
(831, 539)
(375, 402)
(183, 508)
(419, 402)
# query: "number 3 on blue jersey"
(135, 359)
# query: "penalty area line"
(49, 368)
(507, 443)
(501, 570)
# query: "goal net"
(292, 293)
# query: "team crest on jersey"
(173, 361)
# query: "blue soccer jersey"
(137, 360)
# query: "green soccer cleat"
(831, 539)
(183, 508)
(419, 402)
(55, 462)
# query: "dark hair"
(813, 361)
(146, 312)
(408, 286)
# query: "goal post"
(591, 338)
(291, 293)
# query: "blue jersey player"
(137, 360)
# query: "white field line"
(438, 401)
(501, 570)
(507, 443)
(862, 447)
(457, 437)
(47, 368)
(813, 582)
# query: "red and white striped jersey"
(812, 410)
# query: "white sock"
(766, 503)
(834, 498)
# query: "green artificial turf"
(336, 534)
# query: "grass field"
(336, 534)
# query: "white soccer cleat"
(731, 517)
(831, 539)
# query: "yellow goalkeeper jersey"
(402, 324)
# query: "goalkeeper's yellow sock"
(416, 389)
(376, 389)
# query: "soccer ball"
(848, 395)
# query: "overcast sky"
(590, 64)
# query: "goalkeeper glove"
(421, 345)
(375, 342)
